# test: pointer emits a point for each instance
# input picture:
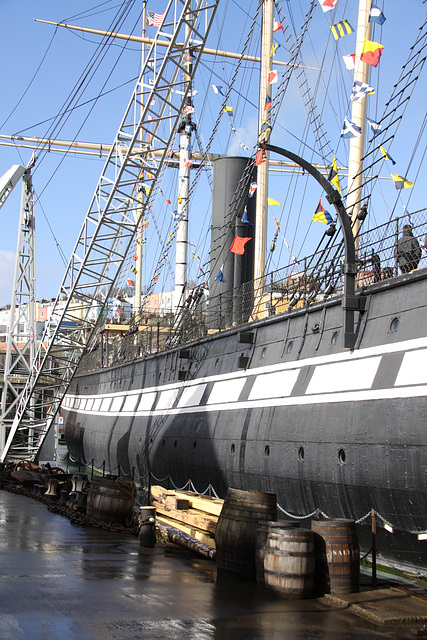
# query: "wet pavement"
(59, 580)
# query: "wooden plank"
(203, 503)
(209, 505)
(190, 517)
(178, 504)
(160, 493)
(202, 536)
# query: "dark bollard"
(36, 489)
(147, 526)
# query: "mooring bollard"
(147, 526)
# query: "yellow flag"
(271, 201)
(401, 183)
(273, 50)
(333, 175)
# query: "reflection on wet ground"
(63, 581)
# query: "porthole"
(341, 456)
(267, 451)
(151, 440)
(394, 324)
(263, 352)
(290, 346)
(334, 338)
(194, 446)
(301, 454)
(216, 362)
(175, 444)
(233, 449)
(164, 442)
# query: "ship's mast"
(140, 230)
(358, 117)
(185, 129)
(262, 174)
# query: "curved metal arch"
(350, 302)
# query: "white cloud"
(7, 268)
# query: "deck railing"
(296, 285)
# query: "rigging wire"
(63, 116)
(88, 73)
(27, 88)
(102, 94)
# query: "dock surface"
(64, 581)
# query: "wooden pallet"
(189, 512)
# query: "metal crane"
(21, 338)
(153, 114)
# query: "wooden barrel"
(289, 562)
(110, 499)
(337, 556)
(263, 528)
(236, 529)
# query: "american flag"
(154, 19)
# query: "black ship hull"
(278, 405)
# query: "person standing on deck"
(408, 250)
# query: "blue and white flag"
(217, 89)
(373, 125)
(361, 90)
(220, 276)
(376, 15)
(245, 219)
(350, 130)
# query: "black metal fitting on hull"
(350, 303)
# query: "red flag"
(260, 157)
(238, 245)
(327, 5)
(272, 77)
(371, 52)
(131, 283)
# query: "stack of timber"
(191, 513)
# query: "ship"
(307, 380)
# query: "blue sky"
(35, 89)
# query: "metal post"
(374, 548)
(396, 238)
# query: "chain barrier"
(210, 490)
(126, 486)
(363, 518)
